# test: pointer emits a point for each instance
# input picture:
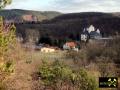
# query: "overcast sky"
(67, 6)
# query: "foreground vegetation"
(63, 70)
(59, 76)
(7, 42)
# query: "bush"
(7, 38)
(79, 58)
(58, 76)
(109, 52)
(7, 43)
(115, 45)
(93, 51)
(107, 68)
(82, 81)
(8, 67)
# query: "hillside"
(108, 23)
(61, 26)
(17, 14)
(67, 26)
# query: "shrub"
(109, 53)
(107, 70)
(79, 58)
(82, 81)
(115, 45)
(8, 67)
(58, 75)
(7, 38)
(7, 43)
(93, 51)
(106, 67)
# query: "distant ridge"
(62, 26)
(83, 15)
(16, 14)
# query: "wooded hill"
(16, 14)
(64, 26)
(70, 26)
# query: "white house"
(98, 31)
(91, 28)
(47, 50)
(95, 35)
(84, 37)
(90, 33)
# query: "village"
(88, 35)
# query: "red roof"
(71, 44)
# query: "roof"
(71, 44)
(94, 33)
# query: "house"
(70, 46)
(47, 49)
(90, 33)
(90, 28)
(95, 34)
(84, 35)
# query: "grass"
(28, 62)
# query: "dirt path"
(22, 77)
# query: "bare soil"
(21, 79)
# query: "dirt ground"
(21, 79)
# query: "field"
(28, 63)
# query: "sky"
(67, 6)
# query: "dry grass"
(28, 62)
